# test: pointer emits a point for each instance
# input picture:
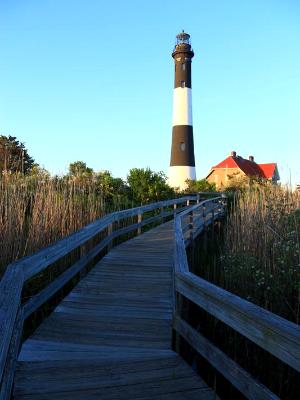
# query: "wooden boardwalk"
(110, 338)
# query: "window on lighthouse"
(183, 67)
(182, 84)
(182, 146)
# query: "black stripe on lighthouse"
(182, 164)
(182, 153)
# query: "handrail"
(13, 313)
(277, 335)
(37, 262)
(206, 215)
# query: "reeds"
(261, 260)
(256, 256)
(37, 211)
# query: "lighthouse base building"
(182, 164)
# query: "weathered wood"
(149, 207)
(34, 264)
(175, 211)
(161, 214)
(198, 216)
(213, 216)
(125, 381)
(11, 361)
(39, 299)
(199, 206)
(273, 333)
(41, 260)
(204, 214)
(185, 228)
(139, 220)
(139, 225)
(24, 269)
(180, 257)
(199, 229)
(241, 379)
(191, 225)
(109, 235)
(10, 297)
(110, 338)
(156, 218)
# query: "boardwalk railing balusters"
(12, 314)
(147, 307)
(271, 332)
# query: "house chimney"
(251, 158)
(233, 154)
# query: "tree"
(39, 172)
(201, 185)
(79, 169)
(14, 156)
(113, 190)
(238, 182)
(148, 186)
(107, 184)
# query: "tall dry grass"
(255, 256)
(261, 257)
(37, 211)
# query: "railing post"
(161, 211)
(213, 220)
(82, 251)
(11, 286)
(178, 311)
(109, 232)
(139, 220)
(175, 209)
(188, 202)
(198, 198)
(219, 209)
(191, 225)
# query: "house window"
(183, 67)
(182, 84)
(182, 146)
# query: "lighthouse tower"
(182, 165)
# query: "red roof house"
(239, 167)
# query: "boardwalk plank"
(110, 338)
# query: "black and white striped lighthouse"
(182, 165)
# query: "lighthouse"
(182, 164)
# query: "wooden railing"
(13, 311)
(271, 332)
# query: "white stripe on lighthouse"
(178, 175)
(182, 106)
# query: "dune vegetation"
(261, 258)
(37, 209)
(256, 256)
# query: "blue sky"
(93, 81)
